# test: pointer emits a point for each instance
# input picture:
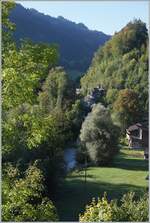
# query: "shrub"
(97, 211)
(99, 136)
(23, 198)
(130, 209)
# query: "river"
(70, 158)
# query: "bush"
(130, 209)
(97, 211)
(23, 198)
(99, 136)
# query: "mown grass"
(128, 172)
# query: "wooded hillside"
(121, 63)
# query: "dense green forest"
(122, 63)
(42, 115)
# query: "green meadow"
(127, 173)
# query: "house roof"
(136, 127)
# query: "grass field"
(128, 172)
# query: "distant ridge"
(77, 43)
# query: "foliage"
(121, 63)
(23, 196)
(57, 91)
(7, 27)
(99, 135)
(41, 116)
(6, 7)
(45, 55)
(76, 116)
(81, 155)
(23, 69)
(29, 132)
(26, 127)
(127, 107)
(99, 211)
(129, 210)
(132, 209)
(111, 95)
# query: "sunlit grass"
(128, 172)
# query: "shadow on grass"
(131, 164)
(80, 175)
(74, 195)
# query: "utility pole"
(85, 174)
(85, 169)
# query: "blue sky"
(105, 16)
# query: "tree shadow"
(76, 194)
(80, 175)
(131, 164)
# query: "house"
(78, 91)
(94, 96)
(137, 136)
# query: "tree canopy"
(99, 136)
(121, 63)
(127, 107)
(32, 134)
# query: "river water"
(70, 158)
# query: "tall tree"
(127, 107)
(57, 91)
(99, 136)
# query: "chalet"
(78, 91)
(94, 96)
(137, 136)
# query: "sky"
(106, 16)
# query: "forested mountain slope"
(121, 63)
(76, 42)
